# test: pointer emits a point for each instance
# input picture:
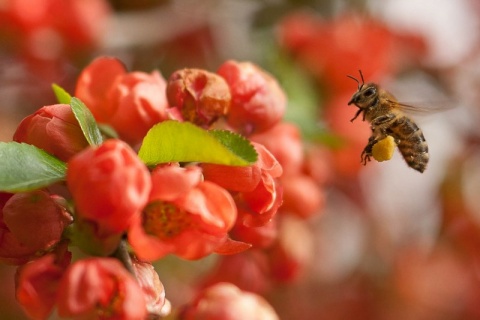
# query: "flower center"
(164, 220)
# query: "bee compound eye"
(369, 92)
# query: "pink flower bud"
(258, 102)
(37, 283)
(54, 129)
(31, 222)
(109, 184)
(201, 96)
(130, 102)
(224, 301)
(95, 287)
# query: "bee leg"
(367, 152)
(357, 114)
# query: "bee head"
(365, 95)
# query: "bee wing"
(421, 110)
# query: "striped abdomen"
(410, 142)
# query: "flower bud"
(130, 102)
(224, 301)
(201, 96)
(54, 129)
(96, 287)
(37, 283)
(258, 102)
(109, 184)
(32, 222)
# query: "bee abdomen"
(411, 143)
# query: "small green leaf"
(24, 167)
(62, 95)
(236, 143)
(173, 141)
(87, 122)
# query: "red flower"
(130, 102)
(294, 250)
(47, 29)
(100, 288)
(259, 190)
(332, 49)
(109, 184)
(249, 271)
(29, 223)
(302, 196)
(258, 102)
(224, 301)
(53, 129)
(201, 96)
(284, 141)
(185, 216)
(37, 283)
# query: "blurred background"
(384, 241)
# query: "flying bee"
(387, 118)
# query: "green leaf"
(236, 143)
(24, 167)
(173, 141)
(62, 95)
(87, 122)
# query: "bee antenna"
(361, 76)
(356, 80)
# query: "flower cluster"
(111, 194)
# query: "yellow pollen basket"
(383, 149)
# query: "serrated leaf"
(173, 141)
(87, 122)
(236, 143)
(62, 95)
(24, 167)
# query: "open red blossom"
(37, 283)
(109, 184)
(201, 96)
(191, 221)
(54, 129)
(259, 190)
(258, 102)
(30, 222)
(130, 102)
(100, 288)
(225, 301)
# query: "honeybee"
(386, 117)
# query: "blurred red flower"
(47, 33)
(224, 301)
(20, 219)
(332, 49)
(185, 216)
(130, 102)
(109, 184)
(37, 283)
(201, 96)
(99, 288)
(54, 129)
(258, 102)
